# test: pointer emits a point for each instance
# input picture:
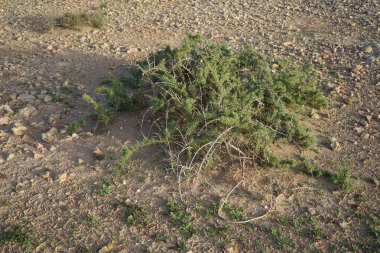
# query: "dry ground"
(70, 202)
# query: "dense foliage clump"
(207, 100)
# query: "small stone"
(2, 160)
(27, 112)
(37, 156)
(98, 154)
(366, 136)
(368, 49)
(50, 136)
(53, 118)
(335, 145)
(359, 129)
(62, 177)
(5, 110)
(46, 175)
(80, 161)
(342, 224)
(10, 157)
(25, 97)
(4, 121)
(19, 129)
(47, 98)
(314, 114)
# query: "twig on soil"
(271, 208)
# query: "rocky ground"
(53, 185)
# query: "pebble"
(27, 112)
(53, 118)
(98, 154)
(2, 160)
(50, 136)
(62, 177)
(10, 157)
(47, 98)
(19, 129)
(4, 120)
(335, 145)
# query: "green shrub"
(72, 20)
(207, 100)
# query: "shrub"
(71, 20)
(207, 100)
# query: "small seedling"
(18, 235)
(374, 227)
(136, 215)
(106, 188)
(179, 217)
(282, 242)
(93, 220)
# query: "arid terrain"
(58, 193)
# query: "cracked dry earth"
(52, 185)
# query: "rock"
(62, 177)
(4, 120)
(37, 156)
(80, 161)
(46, 176)
(5, 110)
(47, 98)
(27, 112)
(314, 114)
(3, 133)
(98, 154)
(10, 157)
(19, 129)
(368, 49)
(50, 136)
(359, 129)
(25, 97)
(335, 145)
(53, 118)
(342, 224)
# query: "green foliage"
(179, 217)
(374, 227)
(125, 158)
(93, 220)
(343, 178)
(72, 20)
(205, 96)
(18, 235)
(118, 96)
(106, 188)
(101, 112)
(282, 242)
(74, 127)
(136, 215)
